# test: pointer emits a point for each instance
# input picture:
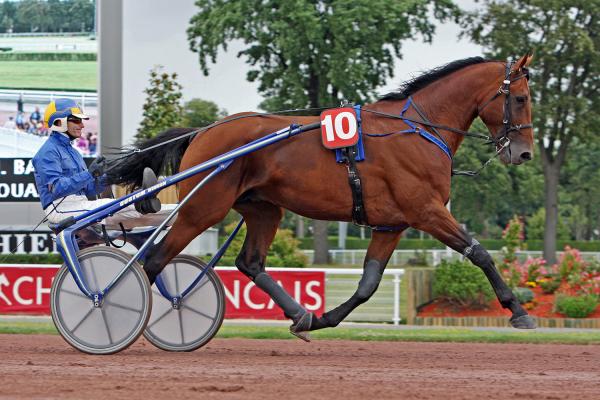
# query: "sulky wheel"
(197, 317)
(123, 313)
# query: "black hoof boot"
(301, 327)
(150, 204)
(523, 322)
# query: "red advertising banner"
(25, 289)
(245, 300)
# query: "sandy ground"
(45, 367)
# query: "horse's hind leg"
(378, 254)
(262, 219)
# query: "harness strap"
(359, 214)
(109, 241)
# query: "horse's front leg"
(442, 225)
(378, 254)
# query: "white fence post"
(397, 281)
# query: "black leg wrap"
(367, 285)
(290, 307)
(480, 257)
(369, 282)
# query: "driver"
(66, 186)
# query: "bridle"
(503, 141)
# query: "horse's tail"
(164, 158)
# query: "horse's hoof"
(523, 322)
(302, 326)
(302, 335)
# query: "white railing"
(432, 257)
(91, 47)
(340, 284)
(42, 96)
(46, 34)
(15, 143)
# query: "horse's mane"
(414, 85)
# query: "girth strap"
(359, 214)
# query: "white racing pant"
(74, 205)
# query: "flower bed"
(568, 289)
(542, 306)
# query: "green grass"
(455, 335)
(49, 75)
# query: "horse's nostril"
(526, 156)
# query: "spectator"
(20, 121)
(32, 129)
(26, 126)
(82, 145)
(35, 117)
(93, 144)
(20, 104)
(10, 124)
(41, 129)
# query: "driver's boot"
(149, 204)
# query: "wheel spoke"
(199, 285)
(198, 312)
(159, 318)
(78, 294)
(93, 273)
(83, 319)
(103, 313)
(181, 327)
(110, 303)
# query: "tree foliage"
(162, 109)
(311, 53)
(198, 113)
(564, 36)
(47, 16)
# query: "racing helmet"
(60, 110)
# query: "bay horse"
(406, 179)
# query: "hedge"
(31, 259)
(59, 56)
(353, 243)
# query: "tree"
(198, 112)
(564, 36)
(162, 109)
(8, 12)
(34, 15)
(314, 53)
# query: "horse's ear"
(524, 61)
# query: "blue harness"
(360, 148)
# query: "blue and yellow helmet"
(61, 109)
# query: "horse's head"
(507, 113)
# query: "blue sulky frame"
(67, 241)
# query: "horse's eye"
(521, 99)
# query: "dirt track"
(39, 366)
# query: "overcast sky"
(229, 74)
(154, 33)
